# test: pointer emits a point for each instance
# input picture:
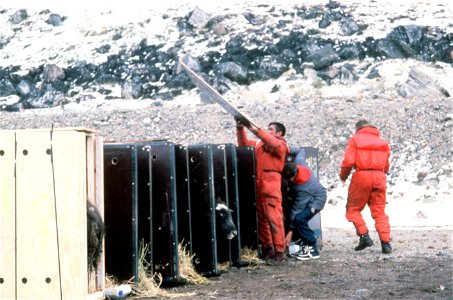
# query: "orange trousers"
(368, 188)
(271, 230)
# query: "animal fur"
(95, 234)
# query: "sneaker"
(308, 252)
(294, 250)
(386, 247)
(364, 242)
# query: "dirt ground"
(420, 267)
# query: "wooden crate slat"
(36, 231)
(70, 167)
(7, 215)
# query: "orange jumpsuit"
(270, 154)
(369, 155)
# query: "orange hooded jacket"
(366, 150)
(270, 154)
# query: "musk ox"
(95, 235)
(225, 219)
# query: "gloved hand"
(239, 124)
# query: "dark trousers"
(304, 232)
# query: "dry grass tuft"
(149, 284)
(251, 257)
(224, 266)
(186, 269)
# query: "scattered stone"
(198, 18)
(18, 16)
(429, 199)
(55, 20)
(421, 215)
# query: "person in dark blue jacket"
(308, 198)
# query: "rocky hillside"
(316, 66)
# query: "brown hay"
(186, 269)
(110, 281)
(149, 284)
(224, 266)
(251, 257)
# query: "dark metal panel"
(183, 203)
(164, 213)
(233, 201)
(202, 209)
(221, 193)
(247, 196)
(144, 205)
(120, 210)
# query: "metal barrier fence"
(161, 194)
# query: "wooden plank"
(69, 148)
(7, 215)
(37, 255)
(91, 192)
(78, 129)
(95, 194)
(99, 178)
(214, 95)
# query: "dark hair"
(289, 170)
(360, 124)
(279, 127)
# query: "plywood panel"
(70, 169)
(99, 279)
(46, 178)
(37, 263)
(7, 215)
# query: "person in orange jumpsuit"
(270, 154)
(369, 155)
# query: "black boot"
(365, 241)
(386, 247)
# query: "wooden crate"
(47, 176)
